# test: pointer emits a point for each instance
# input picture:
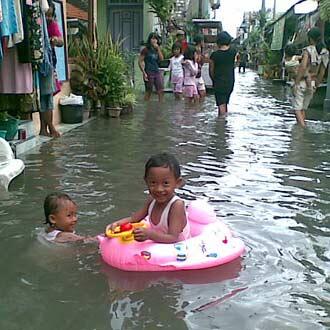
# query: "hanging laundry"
(15, 77)
(8, 24)
(19, 36)
(31, 50)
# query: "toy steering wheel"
(125, 235)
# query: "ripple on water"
(267, 179)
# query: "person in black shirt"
(221, 70)
(243, 59)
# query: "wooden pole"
(91, 20)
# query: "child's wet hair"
(53, 203)
(175, 46)
(189, 53)
(163, 160)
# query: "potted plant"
(103, 71)
(112, 80)
(128, 102)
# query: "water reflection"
(267, 179)
(128, 291)
(138, 281)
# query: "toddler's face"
(162, 183)
(66, 218)
(176, 51)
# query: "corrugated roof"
(81, 4)
(74, 12)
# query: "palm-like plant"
(103, 69)
(163, 9)
(324, 6)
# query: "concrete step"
(29, 128)
(21, 146)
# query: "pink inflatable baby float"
(211, 244)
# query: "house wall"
(102, 17)
(149, 21)
(193, 9)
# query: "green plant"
(167, 47)
(112, 81)
(129, 99)
(73, 46)
(3, 115)
(163, 9)
(103, 70)
(16, 105)
(325, 10)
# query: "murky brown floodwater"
(266, 178)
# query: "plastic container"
(11, 126)
(3, 134)
(71, 114)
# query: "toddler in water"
(176, 70)
(61, 219)
(164, 211)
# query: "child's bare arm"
(66, 237)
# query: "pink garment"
(177, 84)
(190, 91)
(53, 29)
(190, 70)
(162, 226)
(15, 77)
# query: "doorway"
(126, 22)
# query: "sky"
(231, 11)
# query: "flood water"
(266, 178)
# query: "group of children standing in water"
(305, 71)
(185, 71)
(185, 68)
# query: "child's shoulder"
(50, 235)
(59, 236)
(177, 58)
(68, 237)
(47, 236)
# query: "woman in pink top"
(190, 70)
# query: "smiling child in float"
(163, 209)
(61, 219)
